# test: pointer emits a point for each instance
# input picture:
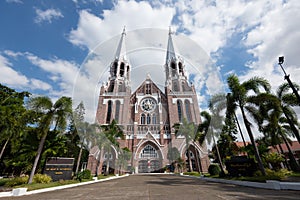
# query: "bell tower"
(119, 80)
(115, 94)
(182, 98)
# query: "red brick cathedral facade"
(148, 114)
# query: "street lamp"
(287, 77)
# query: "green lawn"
(293, 175)
(36, 186)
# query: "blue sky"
(44, 43)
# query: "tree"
(123, 158)
(212, 125)
(272, 122)
(239, 96)
(188, 130)
(231, 116)
(173, 154)
(49, 114)
(95, 137)
(80, 128)
(287, 101)
(112, 131)
(12, 112)
(226, 142)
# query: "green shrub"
(274, 159)
(257, 173)
(214, 169)
(274, 175)
(3, 181)
(192, 173)
(85, 174)
(17, 181)
(277, 175)
(41, 178)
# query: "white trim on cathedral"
(174, 100)
(113, 100)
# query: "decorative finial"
(170, 30)
(148, 75)
(124, 30)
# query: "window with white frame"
(149, 152)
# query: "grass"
(272, 176)
(295, 174)
(36, 186)
(3, 181)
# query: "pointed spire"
(170, 47)
(121, 50)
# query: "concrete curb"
(270, 184)
(16, 192)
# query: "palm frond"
(255, 83)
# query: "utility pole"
(287, 77)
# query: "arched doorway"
(109, 159)
(194, 155)
(149, 160)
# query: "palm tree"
(124, 156)
(112, 131)
(188, 131)
(49, 114)
(95, 137)
(288, 100)
(239, 96)
(230, 113)
(284, 130)
(80, 128)
(212, 125)
(272, 122)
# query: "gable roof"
(154, 87)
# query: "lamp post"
(287, 77)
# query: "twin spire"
(121, 50)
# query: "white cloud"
(14, 1)
(61, 71)
(270, 29)
(92, 30)
(278, 34)
(38, 84)
(146, 48)
(9, 76)
(47, 15)
(210, 23)
(15, 79)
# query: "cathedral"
(148, 114)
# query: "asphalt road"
(160, 187)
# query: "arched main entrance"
(194, 156)
(149, 160)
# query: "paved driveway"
(156, 187)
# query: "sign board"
(240, 166)
(59, 168)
